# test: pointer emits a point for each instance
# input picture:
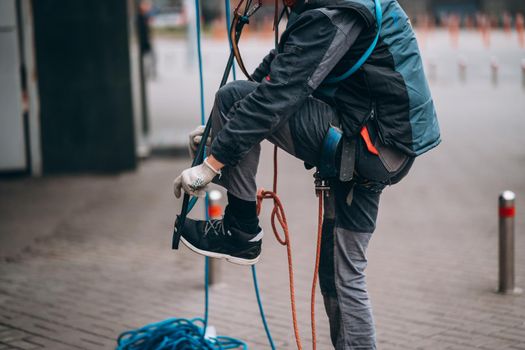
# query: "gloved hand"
(195, 139)
(195, 180)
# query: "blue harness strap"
(368, 52)
(328, 161)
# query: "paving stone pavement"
(87, 257)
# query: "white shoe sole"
(232, 259)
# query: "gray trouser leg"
(239, 180)
(346, 233)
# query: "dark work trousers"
(350, 210)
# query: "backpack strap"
(368, 52)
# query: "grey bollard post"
(494, 68)
(462, 68)
(214, 212)
(432, 71)
(523, 73)
(507, 213)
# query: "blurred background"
(96, 100)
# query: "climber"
(384, 111)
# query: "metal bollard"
(214, 212)
(432, 71)
(462, 68)
(494, 67)
(507, 213)
(523, 73)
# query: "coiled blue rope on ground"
(175, 334)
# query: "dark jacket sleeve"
(264, 68)
(311, 47)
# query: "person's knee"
(357, 210)
(225, 95)
(232, 92)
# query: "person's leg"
(301, 136)
(239, 181)
(237, 237)
(349, 222)
(347, 230)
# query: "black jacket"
(325, 38)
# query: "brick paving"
(87, 257)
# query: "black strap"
(348, 155)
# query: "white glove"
(195, 139)
(195, 180)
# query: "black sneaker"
(223, 239)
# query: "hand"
(195, 139)
(195, 180)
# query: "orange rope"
(316, 269)
(284, 239)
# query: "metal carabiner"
(322, 185)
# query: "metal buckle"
(322, 186)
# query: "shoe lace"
(215, 226)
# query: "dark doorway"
(84, 78)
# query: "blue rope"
(203, 121)
(261, 310)
(199, 54)
(175, 334)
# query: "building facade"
(70, 86)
